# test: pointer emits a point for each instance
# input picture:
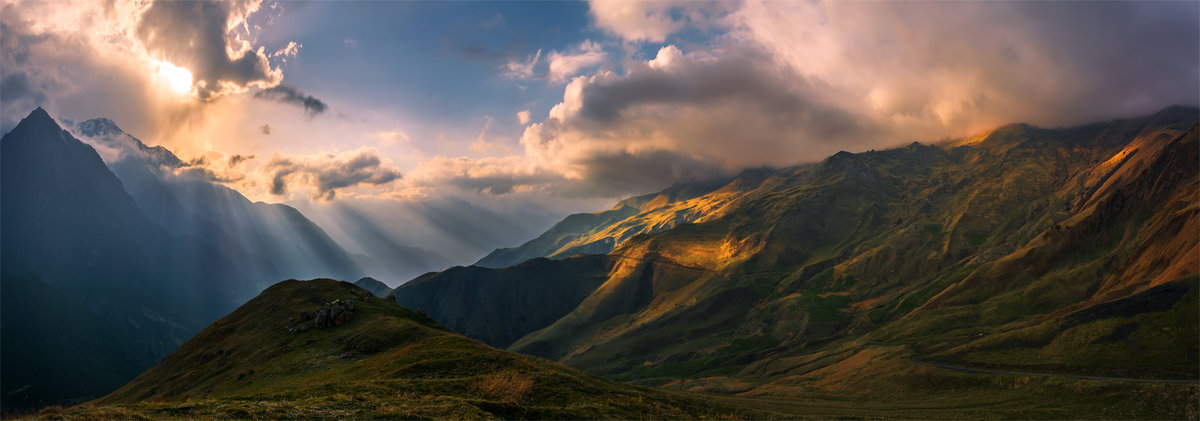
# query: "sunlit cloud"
(391, 137)
(324, 174)
(563, 65)
(211, 39)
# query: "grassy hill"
(386, 362)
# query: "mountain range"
(1070, 250)
(1021, 273)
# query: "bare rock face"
(338, 315)
(329, 314)
(322, 319)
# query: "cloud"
(290, 95)
(636, 20)
(80, 58)
(781, 84)
(563, 65)
(946, 69)
(655, 20)
(494, 23)
(491, 175)
(350, 43)
(685, 117)
(216, 167)
(523, 116)
(323, 175)
(265, 129)
(288, 51)
(211, 40)
(393, 136)
(516, 69)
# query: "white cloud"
(391, 137)
(564, 65)
(655, 20)
(515, 69)
(523, 116)
(636, 20)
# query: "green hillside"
(385, 362)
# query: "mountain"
(379, 289)
(597, 233)
(69, 224)
(262, 241)
(1023, 249)
(385, 362)
(499, 306)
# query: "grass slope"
(403, 366)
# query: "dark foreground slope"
(386, 362)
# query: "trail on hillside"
(1032, 373)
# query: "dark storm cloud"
(290, 95)
(747, 77)
(195, 35)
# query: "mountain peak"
(38, 120)
(99, 127)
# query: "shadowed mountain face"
(68, 222)
(984, 251)
(499, 306)
(384, 362)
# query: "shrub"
(508, 386)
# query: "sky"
(499, 118)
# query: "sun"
(177, 79)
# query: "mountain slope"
(597, 233)
(379, 289)
(791, 280)
(385, 362)
(41, 333)
(499, 306)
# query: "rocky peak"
(99, 127)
